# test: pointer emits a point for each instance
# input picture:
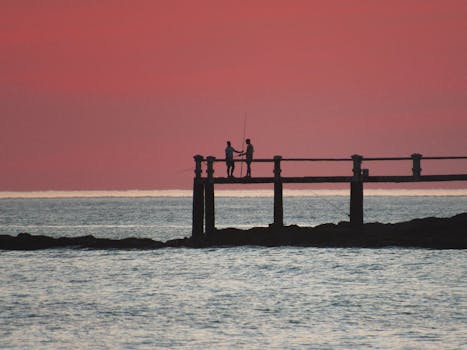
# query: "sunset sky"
(108, 95)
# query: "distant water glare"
(168, 217)
(226, 298)
(232, 193)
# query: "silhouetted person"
(229, 159)
(249, 156)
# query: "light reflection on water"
(247, 298)
(164, 218)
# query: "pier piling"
(278, 205)
(209, 196)
(198, 200)
(356, 192)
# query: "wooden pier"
(204, 194)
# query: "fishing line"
(329, 203)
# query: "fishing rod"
(243, 142)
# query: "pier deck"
(338, 179)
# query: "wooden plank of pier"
(340, 179)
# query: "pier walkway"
(204, 189)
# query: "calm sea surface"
(226, 298)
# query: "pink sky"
(121, 94)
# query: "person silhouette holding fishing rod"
(229, 159)
(249, 156)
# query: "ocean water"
(226, 298)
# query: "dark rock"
(434, 233)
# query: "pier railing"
(204, 197)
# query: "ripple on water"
(244, 297)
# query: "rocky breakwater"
(434, 233)
(26, 241)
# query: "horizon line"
(225, 193)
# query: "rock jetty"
(433, 233)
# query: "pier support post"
(198, 200)
(278, 204)
(356, 192)
(416, 167)
(209, 197)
